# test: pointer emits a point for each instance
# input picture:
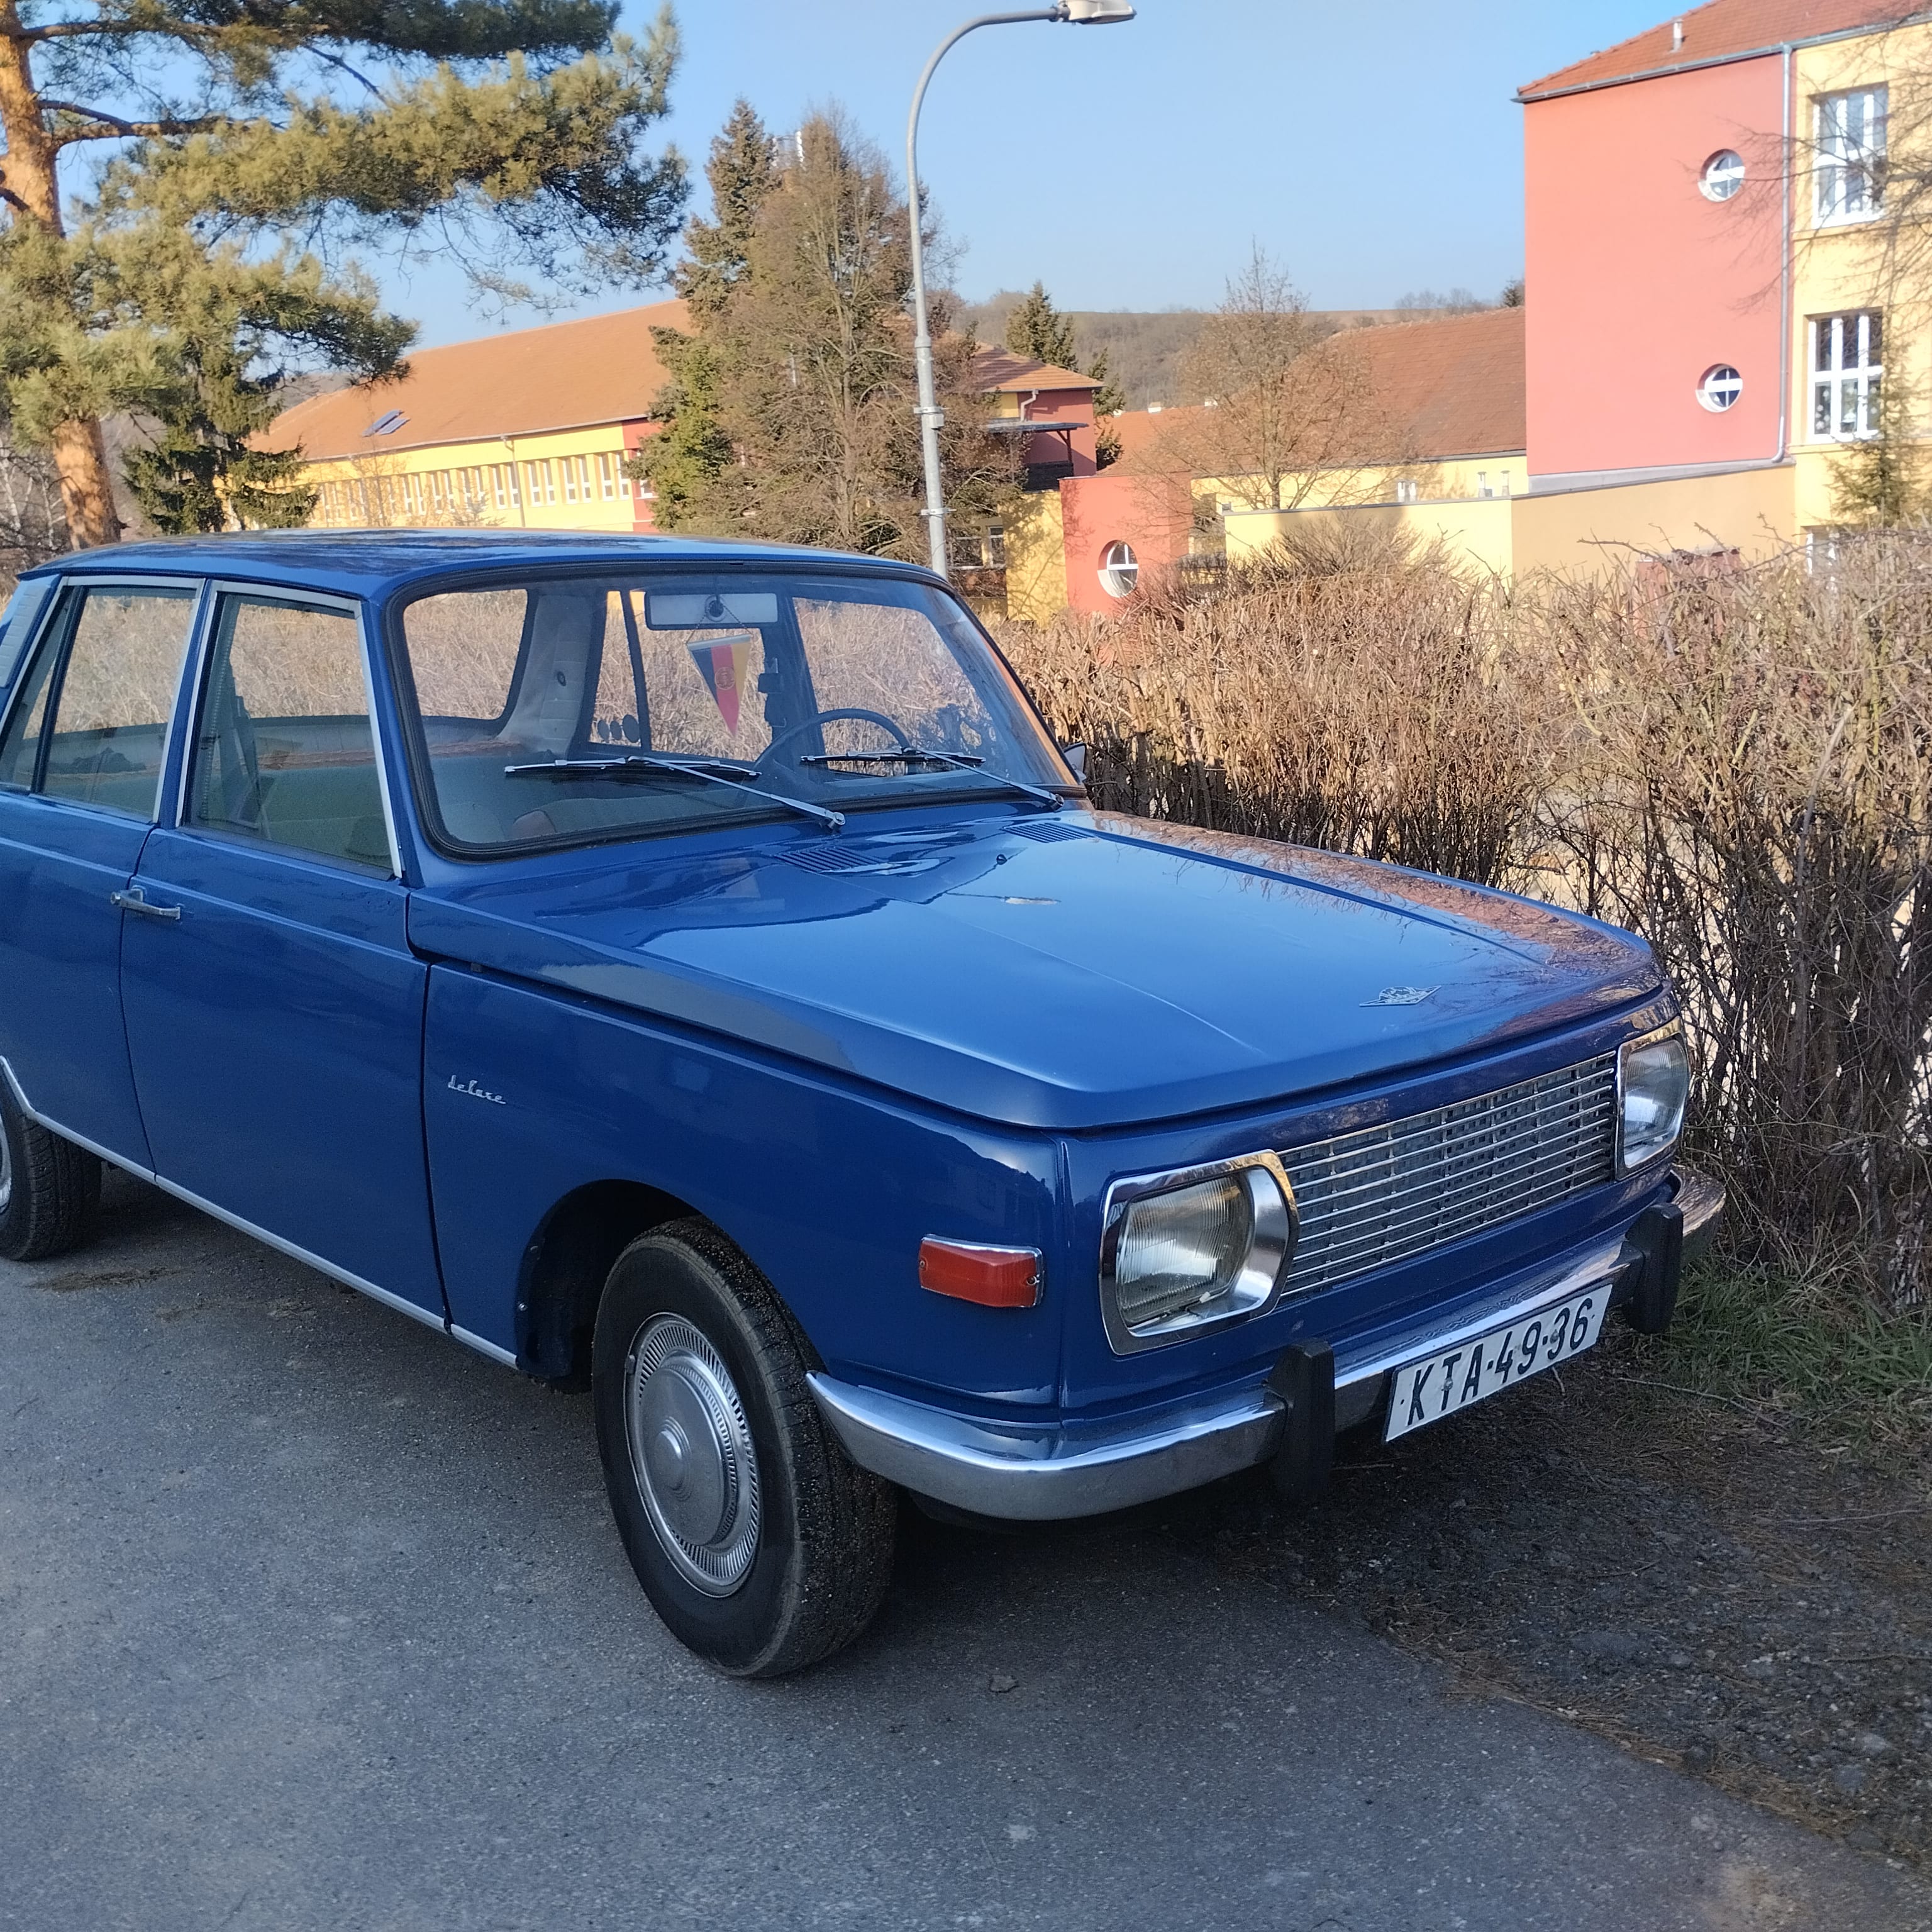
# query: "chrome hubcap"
(692, 1454)
(6, 1171)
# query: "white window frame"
(1119, 570)
(1722, 177)
(1847, 362)
(1849, 169)
(1707, 393)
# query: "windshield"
(560, 708)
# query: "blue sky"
(1372, 148)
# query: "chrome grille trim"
(1370, 1199)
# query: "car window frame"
(427, 820)
(71, 589)
(356, 607)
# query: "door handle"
(135, 900)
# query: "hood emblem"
(1402, 996)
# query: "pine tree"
(1038, 329)
(742, 172)
(789, 411)
(506, 134)
(1109, 400)
(684, 462)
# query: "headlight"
(1184, 1251)
(1653, 1084)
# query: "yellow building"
(527, 430)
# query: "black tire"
(803, 1565)
(51, 1188)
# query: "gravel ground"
(1712, 1589)
(310, 1618)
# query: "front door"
(274, 1009)
(80, 769)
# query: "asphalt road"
(310, 1618)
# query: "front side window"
(1847, 375)
(1850, 134)
(91, 721)
(575, 708)
(284, 754)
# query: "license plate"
(1441, 1384)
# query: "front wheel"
(759, 1542)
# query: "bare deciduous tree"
(1290, 410)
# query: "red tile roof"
(566, 375)
(999, 371)
(1723, 30)
(1451, 387)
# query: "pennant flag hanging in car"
(721, 663)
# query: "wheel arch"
(565, 1267)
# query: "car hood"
(1060, 972)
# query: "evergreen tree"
(451, 126)
(1879, 482)
(1038, 329)
(1109, 400)
(789, 411)
(742, 172)
(684, 463)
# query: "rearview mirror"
(1075, 756)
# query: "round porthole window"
(1119, 570)
(1720, 388)
(1724, 175)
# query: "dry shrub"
(1735, 763)
(1366, 712)
(1749, 784)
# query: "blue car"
(692, 972)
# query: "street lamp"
(1077, 13)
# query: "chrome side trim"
(387, 1297)
(483, 1347)
(1045, 1474)
(81, 1140)
(384, 1296)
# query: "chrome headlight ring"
(1255, 1285)
(1651, 1076)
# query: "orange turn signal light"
(994, 1277)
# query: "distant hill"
(1145, 348)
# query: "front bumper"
(1045, 1473)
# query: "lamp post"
(1076, 12)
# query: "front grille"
(1368, 1200)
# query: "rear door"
(274, 1009)
(81, 761)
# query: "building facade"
(528, 430)
(1717, 314)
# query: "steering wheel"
(900, 735)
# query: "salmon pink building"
(1712, 321)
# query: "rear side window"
(284, 751)
(92, 724)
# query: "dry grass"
(1736, 764)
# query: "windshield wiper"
(915, 755)
(711, 770)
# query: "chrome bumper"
(1044, 1473)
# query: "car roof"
(371, 563)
